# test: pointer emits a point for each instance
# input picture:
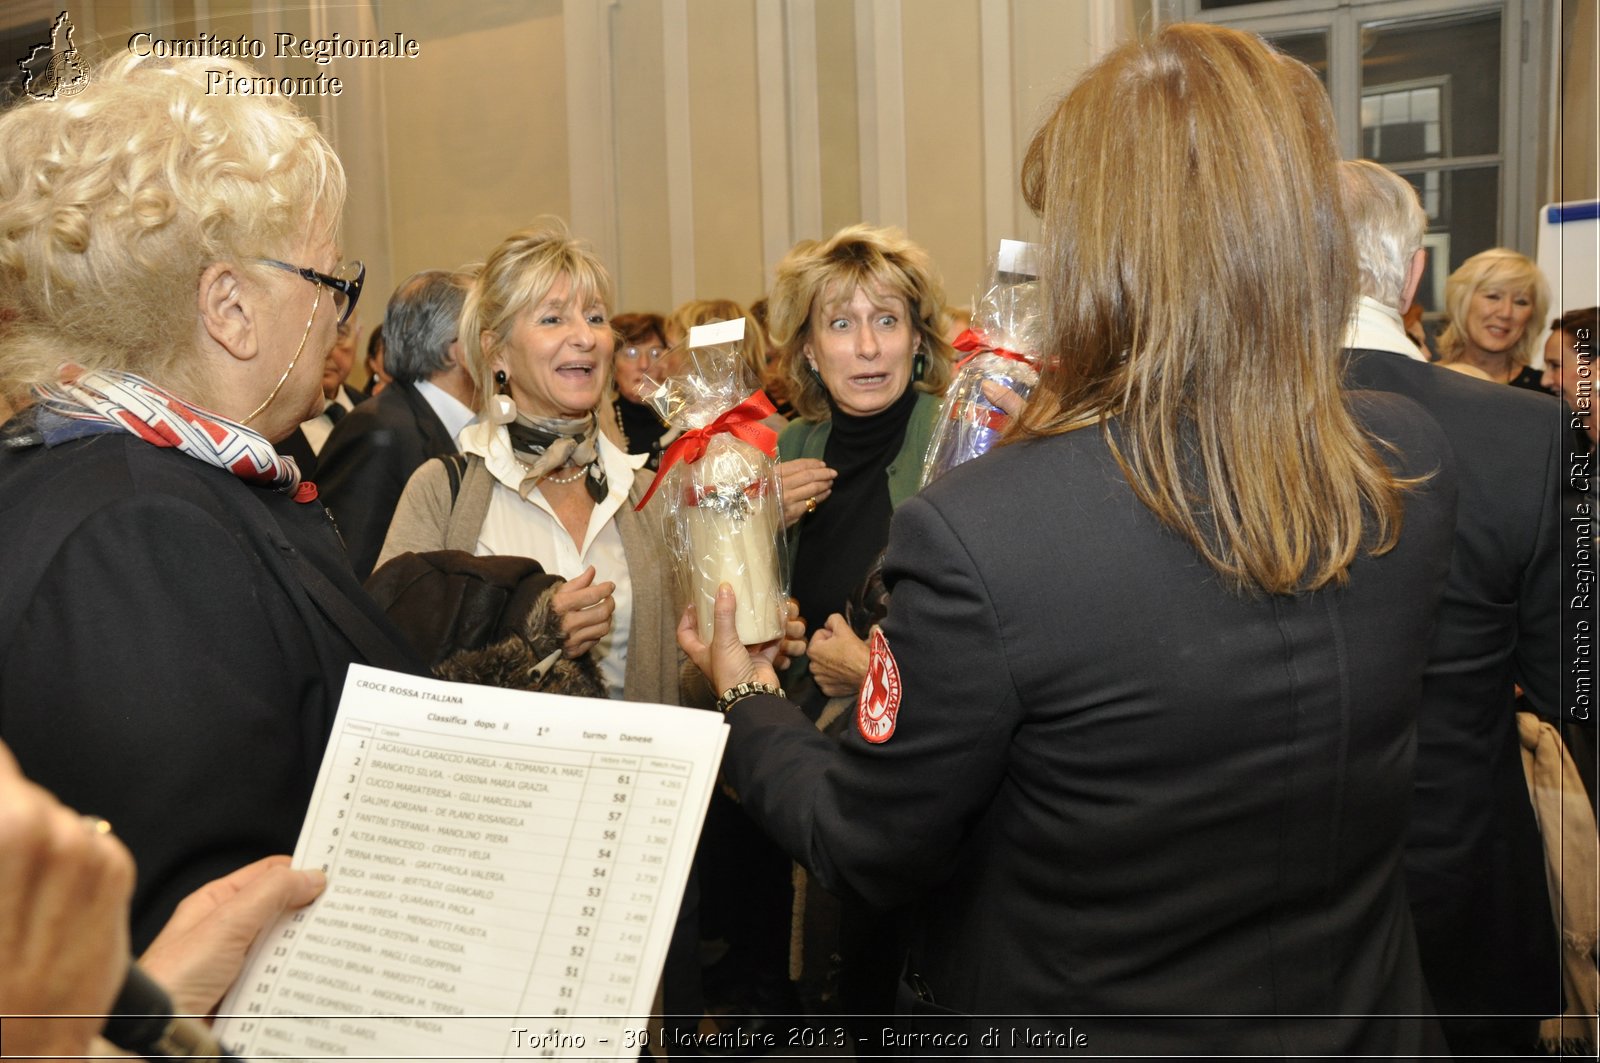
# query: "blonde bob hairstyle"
(1498, 267)
(115, 200)
(1199, 275)
(518, 275)
(818, 275)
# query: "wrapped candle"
(1002, 347)
(731, 526)
(720, 509)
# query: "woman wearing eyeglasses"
(629, 420)
(177, 614)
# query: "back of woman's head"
(1199, 275)
(818, 273)
(518, 275)
(1498, 267)
(114, 200)
(705, 311)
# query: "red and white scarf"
(112, 400)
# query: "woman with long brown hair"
(1135, 737)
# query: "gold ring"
(811, 505)
(96, 825)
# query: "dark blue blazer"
(1116, 788)
(1474, 859)
(367, 460)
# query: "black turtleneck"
(839, 542)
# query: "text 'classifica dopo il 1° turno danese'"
(320, 50)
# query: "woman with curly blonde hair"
(1492, 299)
(178, 613)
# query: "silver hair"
(1387, 223)
(421, 321)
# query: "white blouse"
(531, 529)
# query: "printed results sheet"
(504, 871)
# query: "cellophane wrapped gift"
(717, 494)
(1003, 346)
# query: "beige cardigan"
(426, 520)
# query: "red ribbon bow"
(975, 344)
(743, 422)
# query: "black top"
(1529, 380)
(367, 460)
(1116, 788)
(1474, 859)
(845, 535)
(173, 644)
(642, 428)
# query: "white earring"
(502, 410)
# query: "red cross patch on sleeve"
(878, 703)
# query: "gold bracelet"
(745, 690)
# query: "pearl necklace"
(574, 478)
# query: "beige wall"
(943, 138)
(644, 261)
(1576, 171)
(477, 137)
(722, 142)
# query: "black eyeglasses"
(346, 283)
(651, 353)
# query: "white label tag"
(717, 332)
(1016, 256)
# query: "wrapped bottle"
(1002, 346)
(720, 506)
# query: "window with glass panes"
(1446, 93)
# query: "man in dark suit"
(374, 450)
(1474, 861)
(305, 443)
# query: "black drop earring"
(814, 374)
(919, 365)
(500, 378)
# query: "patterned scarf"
(545, 444)
(90, 402)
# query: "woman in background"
(1491, 300)
(541, 480)
(637, 426)
(1137, 730)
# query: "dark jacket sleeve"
(160, 678)
(1539, 645)
(884, 819)
(361, 472)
